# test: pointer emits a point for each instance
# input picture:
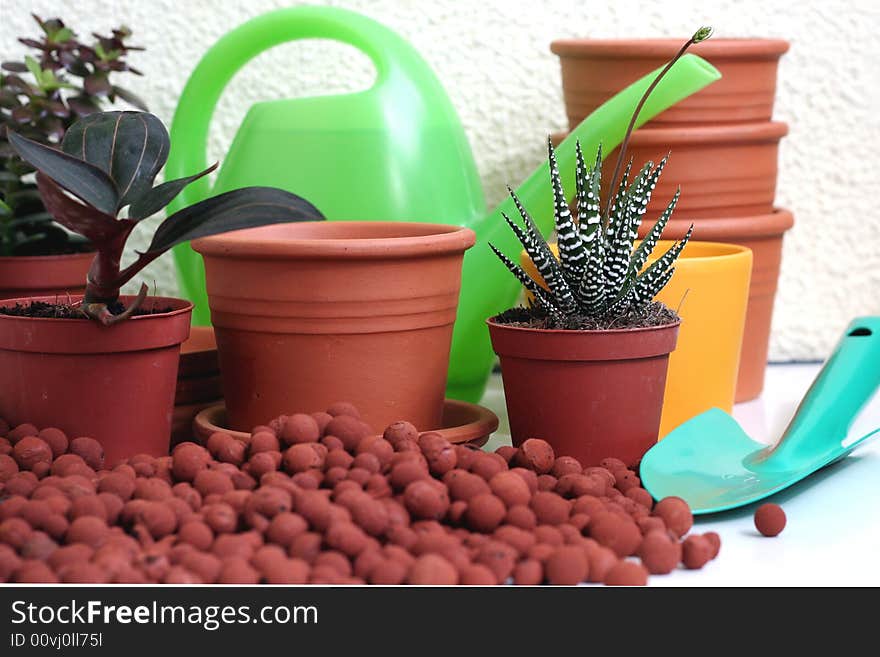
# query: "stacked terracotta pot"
(724, 147)
(198, 381)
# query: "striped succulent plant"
(600, 274)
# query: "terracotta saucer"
(198, 355)
(462, 423)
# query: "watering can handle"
(845, 384)
(393, 58)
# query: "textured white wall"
(493, 58)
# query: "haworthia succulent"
(598, 271)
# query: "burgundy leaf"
(98, 227)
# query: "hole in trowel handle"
(856, 332)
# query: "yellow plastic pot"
(710, 289)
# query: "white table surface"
(832, 537)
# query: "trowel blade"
(705, 461)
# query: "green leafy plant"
(40, 98)
(599, 275)
(108, 162)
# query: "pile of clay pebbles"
(319, 498)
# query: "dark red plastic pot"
(590, 394)
(115, 384)
(37, 276)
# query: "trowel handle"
(846, 383)
(395, 61)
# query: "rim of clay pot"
(182, 306)
(722, 229)
(710, 134)
(333, 239)
(700, 134)
(609, 332)
(583, 345)
(79, 255)
(84, 336)
(731, 48)
(476, 422)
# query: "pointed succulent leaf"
(131, 147)
(98, 227)
(589, 213)
(617, 207)
(153, 200)
(640, 195)
(572, 254)
(645, 293)
(527, 281)
(646, 247)
(85, 181)
(648, 280)
(247, 207)
(544, 260)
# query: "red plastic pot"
(37, 276)
(593, 70)
(590, 394)
(307, 314)
(115, 384)
(763, 235)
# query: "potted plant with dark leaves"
(584, 366)
(105, 365)
(41, 96)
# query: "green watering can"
(396, 151)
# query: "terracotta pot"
(763, 235)
(723, 171)
(310, 313)
(710, 290)
(115, 384)
(38, 276)
(462, 422)
(590, 394)
(593, 70)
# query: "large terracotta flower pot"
(115, 384)
(710, 287)
(310, 313)
(590, 394)
(593, 70)
(763, 235)
(37, 276)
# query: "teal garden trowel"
(712, 464)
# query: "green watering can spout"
(396, 151)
